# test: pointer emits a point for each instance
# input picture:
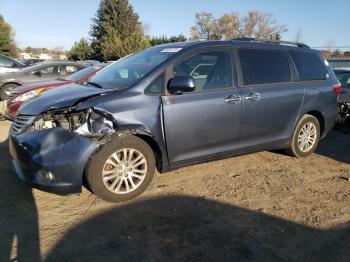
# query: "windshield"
(80, 74)
(18, 61)
(131, 69)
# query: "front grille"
(20, 123)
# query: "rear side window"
(71, 69)
(50, 70)
(264, 66)
(309, 66)
(4, 61)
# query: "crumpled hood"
(62, 97)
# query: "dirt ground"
(259, 207)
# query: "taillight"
(337, 88)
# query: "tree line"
(116, 31)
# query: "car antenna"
(239, 31)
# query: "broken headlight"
(88, 123)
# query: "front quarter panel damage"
(133, 113)
(76, 133)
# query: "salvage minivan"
(171, 106)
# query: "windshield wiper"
(95, 84)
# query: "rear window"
(264, 66)
(309, 66)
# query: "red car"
(24, 93)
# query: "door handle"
(233, 99)
(253, 96)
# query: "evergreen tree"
(7, 45)
(114, 48)
(116, 30)
(81, 50)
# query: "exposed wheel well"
(319, 117)
(157, 152)
(11, 83)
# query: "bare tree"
(229, 26)
(299, 35)
(327, 52)
(261, 25)
(206, 27)
(255, 24)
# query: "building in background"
(45, 56)
(24, 56)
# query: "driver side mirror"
(37, 73)
(181, 84)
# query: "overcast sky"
(44, 23)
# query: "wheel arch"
(320, 119)
(11, 82)
(2, 88)
(144, 136)
(155, 148)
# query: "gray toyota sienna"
(171, 106)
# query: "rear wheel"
(306, 137)
(6, 90)
(121, 170)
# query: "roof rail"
(271, 41)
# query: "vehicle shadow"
(336, 146)
(181, 228)
(19, 232)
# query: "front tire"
(121, 170)
(306, 137)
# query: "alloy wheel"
(124, 171)
(307, 137)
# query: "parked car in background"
(22, 94)
(344, 98)
(92, 62)
(343, 75)
(344, 78)
(40, 72)
(9, 64)
(147, 111)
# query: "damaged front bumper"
(52, 160)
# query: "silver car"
(39, 72)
